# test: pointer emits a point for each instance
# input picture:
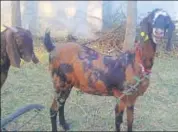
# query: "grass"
(155, 110)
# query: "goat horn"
(11, 28)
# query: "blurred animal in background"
(16, 44)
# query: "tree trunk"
(81, 26)
(131, 25)
(106, 15)
(30, 15)
(16, 14)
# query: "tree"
(81, 26)
(106, 14)
(16, 14)
(30, 15)
(131, 25)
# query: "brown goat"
(16, 44)
(72, 64)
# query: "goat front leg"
(58, 105)
(119, 112)
(130, 117)
(53, 114)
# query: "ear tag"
(142, 34)
(146, 38)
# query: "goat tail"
(48, 42)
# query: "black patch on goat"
(93, 78)
(131, 107)
(111, 80)
(119, 120)
(66, 68)
(115, 76)
(61, 71)
(60, 74)
(87, 55)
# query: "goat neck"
(145, 52)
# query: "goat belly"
(96, 81)
(93, 72)
(89, 83)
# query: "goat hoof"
(66, 126)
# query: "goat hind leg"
(53, 114)
(61, 101)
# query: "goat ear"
(11, 48)
(35, 60)
(171, 29)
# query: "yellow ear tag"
(142, 34)
(146, 38)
